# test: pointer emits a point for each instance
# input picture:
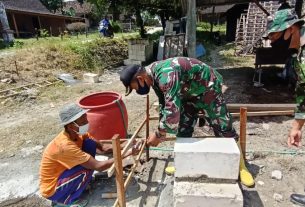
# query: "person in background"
(104, 25)
(286, 32)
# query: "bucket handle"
(122, 114)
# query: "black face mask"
(143, 90)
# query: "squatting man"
(69, 160)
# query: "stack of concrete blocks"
(206, 173)
(139, 52)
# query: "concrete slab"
(195, 194)
(131, 61)
(210, 158)
(90, 78)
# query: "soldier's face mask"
(143, 90)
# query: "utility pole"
(191, 28)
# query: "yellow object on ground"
(170, 170)
(244, 174)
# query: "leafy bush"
(99, 54)
(43, 33)
(116, 27)
(18, 44)
(77, 27)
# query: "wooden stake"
(118, 170)
(127, 146)
(147, 126)
(243, 130)
(133, 168)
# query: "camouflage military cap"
(282, 20)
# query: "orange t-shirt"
(61, 154)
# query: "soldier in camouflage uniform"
(287, 32)
(184, 87)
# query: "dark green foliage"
(53, 5)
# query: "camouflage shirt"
(281, 21)
(177, 79)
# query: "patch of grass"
(206, 26)
(227, 54)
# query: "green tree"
(101, 7)
(53, 5)
(162, 8)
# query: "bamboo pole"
(127, 146)
(133, 168)
(243, 130)
(118, 170)
(147, 126)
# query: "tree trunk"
(139, 20)
(114, 9)
(163, 20)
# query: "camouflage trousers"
(213, 106)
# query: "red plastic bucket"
(107, 115)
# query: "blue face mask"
(143, 90)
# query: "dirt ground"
(28, 124)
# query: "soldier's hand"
(153, 140)
(294, 138)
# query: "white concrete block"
(90, 77)
(131, 61)
(193, 194)
(213, 158)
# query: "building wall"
(24, 24)
(54, 24)
(27, 23)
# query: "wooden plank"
(261, 107)
(127, 146)
(243, 130)
(251, 113)
(118, 170)
(267, 113)
(147, 126)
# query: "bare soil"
(27, 125)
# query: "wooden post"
(39, 22)
(60, 33)
(191, 28)
(15, 25)
(147, 126)
(51, 31)
(212, 20)
(243, 130)
(118, 170)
